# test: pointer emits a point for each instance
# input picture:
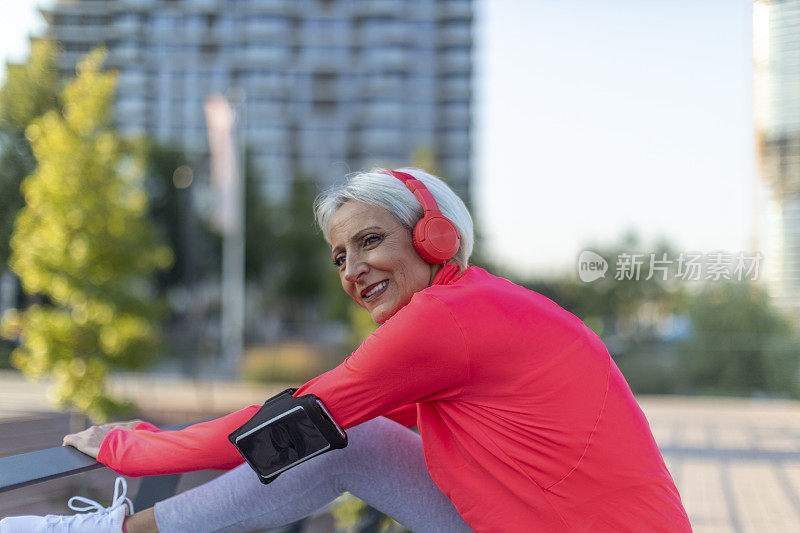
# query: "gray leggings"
(383, 465)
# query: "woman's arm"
(420, 354)
(142, 449)
(147, 450)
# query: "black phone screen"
(282, 442)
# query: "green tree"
(84, 244)
(28, 92)
(302, 258)
(169, 186)
(260, 247)
(169, 206)
(197, 248)
(606, 303)
(740, 344)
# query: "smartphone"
(282, 442)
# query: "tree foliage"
(83, 243)
(607, 303)
(28, 92)
(168, 205)
(260, 246)
(740, 344)
(303, 252)
(170, 187)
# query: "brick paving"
(736, 462)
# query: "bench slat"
(26, 469)
(29, 468)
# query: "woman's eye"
(371, 239)
(338, 261)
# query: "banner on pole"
(225, 176)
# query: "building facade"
(776, 49)
(330, 86)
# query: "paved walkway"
(736, 462)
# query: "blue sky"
(595, 117)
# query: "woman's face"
(377, 263)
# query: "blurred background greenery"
(118, 269)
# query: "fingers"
(94, 435)
(88, 441)
(74, 439)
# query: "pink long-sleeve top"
(527, 423)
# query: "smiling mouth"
(374, 291)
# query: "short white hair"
(377, 187)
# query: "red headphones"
(435, 237)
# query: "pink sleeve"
(419, 354)
(146, 426)
(405, 415)
(147, 451)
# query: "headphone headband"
(419, 189)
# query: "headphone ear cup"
(420, 248)
(436, 239)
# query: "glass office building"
(776, 49)
(331, 86)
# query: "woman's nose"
(354, 268)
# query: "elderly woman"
(525, 422)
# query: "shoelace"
(94, 512)
(91, 505)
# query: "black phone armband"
(285, 432)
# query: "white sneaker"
(96, 519)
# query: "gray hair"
(376, 187)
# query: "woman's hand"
(89, 440)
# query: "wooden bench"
(23, 465)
